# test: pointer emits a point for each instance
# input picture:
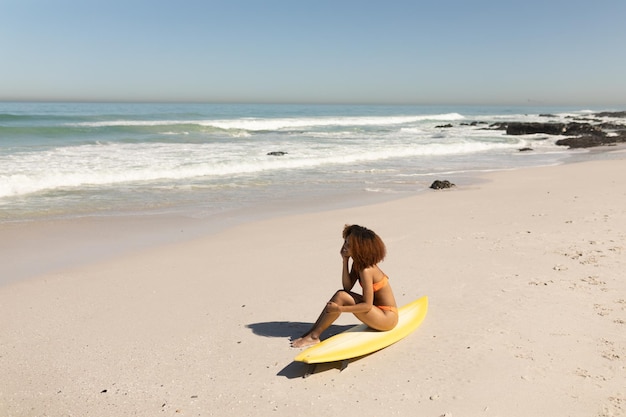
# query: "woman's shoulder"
(373, 271)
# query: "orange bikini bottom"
(388, 308)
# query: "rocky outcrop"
(473, 123)
(519, 128)
(567, 129)
(583, 134)
(589, 141)
(584, 131)
(574, 128)
(616, 114)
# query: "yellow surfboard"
(361, 340)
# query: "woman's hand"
(345, 250)
(332, 307)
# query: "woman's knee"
(342, 297)
(338, 295)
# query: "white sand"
(525, 275)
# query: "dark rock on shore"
(520, 128)
(575, 128)
(440, 185)
(473, 123)
(616, 114)
(277, 153)
(497, 126)
(589, 141)
(584, 134)
(612, 126)
(568, 129)
(443, 126)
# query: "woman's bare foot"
(304, 341)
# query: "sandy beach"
(524, 272)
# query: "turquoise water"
(62, 160)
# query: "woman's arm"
(367, 282)
(348, 278)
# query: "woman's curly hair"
(366, 246)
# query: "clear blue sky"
(427, 52)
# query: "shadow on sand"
(293, 330)
(304, 370)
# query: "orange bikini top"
(380, 284)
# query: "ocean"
(68, 160)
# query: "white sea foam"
(218, 156)
(117, 163)
(269, 124)
(118, 123)
(278, 124)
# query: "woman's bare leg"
(324, 321)
(379, 319)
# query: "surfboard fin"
(310, 370)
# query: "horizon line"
(527, 103)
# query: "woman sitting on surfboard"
(376, 307)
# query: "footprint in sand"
(609, 350)
(602, 310)
(615, 407)
(593, 280)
